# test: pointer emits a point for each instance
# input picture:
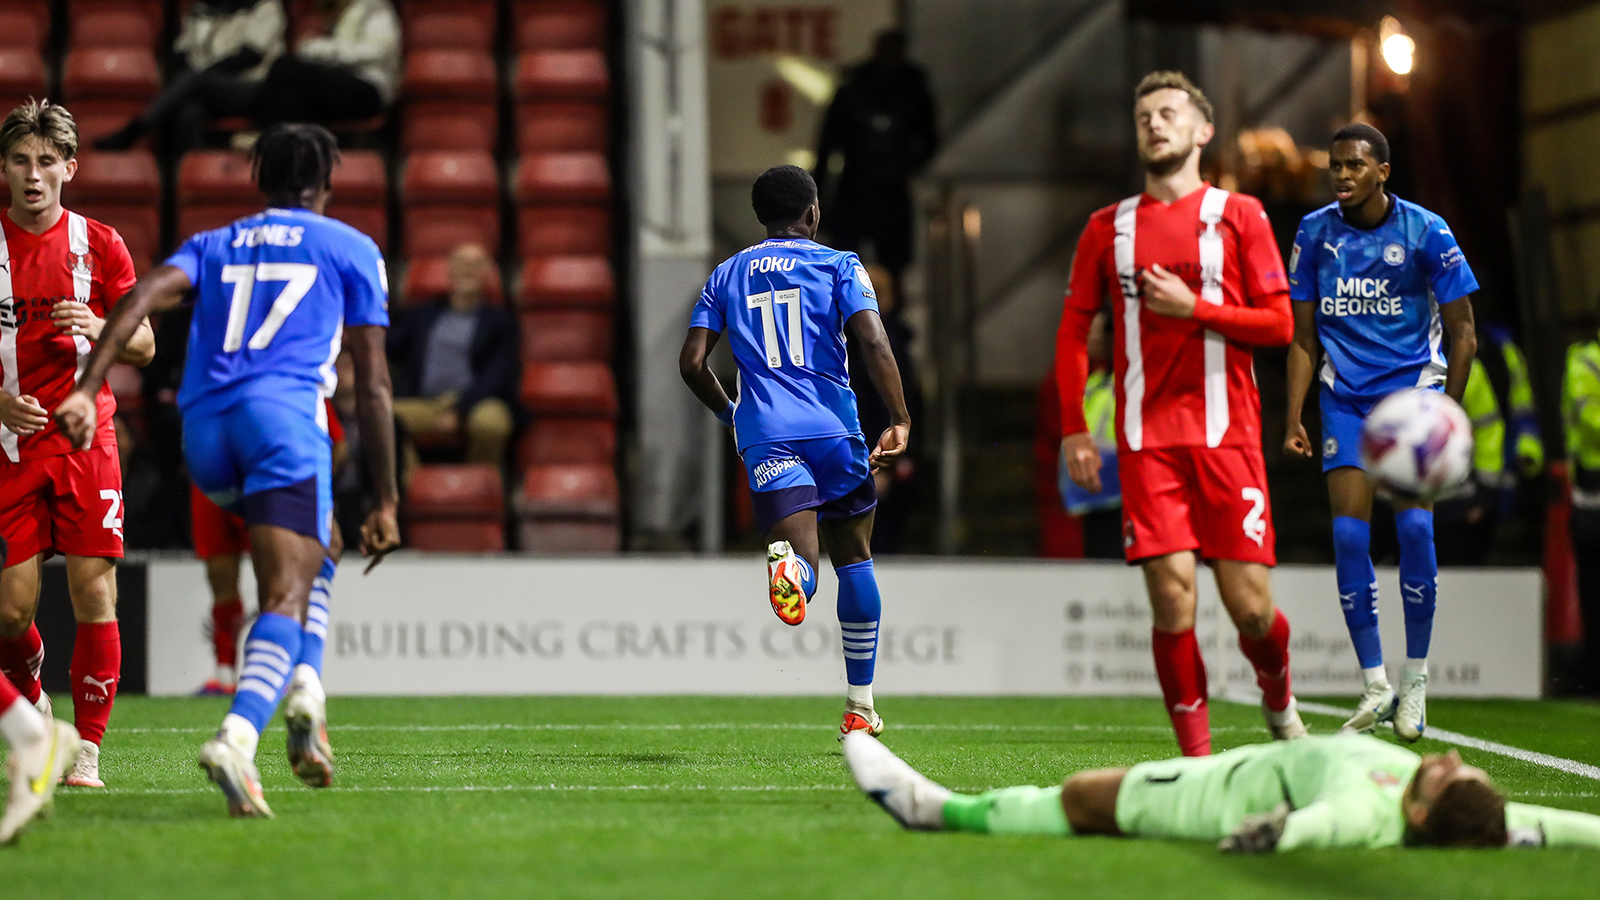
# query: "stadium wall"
(452, 625)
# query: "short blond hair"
(44, 120)
(1173, 80)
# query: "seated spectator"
(225, 49)
(350, 72)
(456, 364)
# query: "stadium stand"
(361, 194)
(122, 189)
(450, 198)
(428, 278)
(565, 336)
(22, 74)
(21, 27)
(214, 188)
(456, 509)
(569, 508)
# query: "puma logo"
(104, 686)
(1413, 592)
(1188, 707)
(1334, 249)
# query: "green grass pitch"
(715, 797)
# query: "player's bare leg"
(1350, 496)
(21, 650)
(96, 659)
(792, 554)
(227, 619)
(849, 543)
(1089, 800)
(286, 563)
(1246, 589)
(1169, 580)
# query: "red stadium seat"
(361, 176)
(566, 335)
(120, 73)
(450, 177)
(22, 74)
(450, 75)
(138, 223)
(558, 230)
(214, 188)
(36, 10)
(452, 27)
(112, 25)
(428, 278)
(121, 175)
(567, 537)
(370, 220)
(150, 9)
(562, 178)
(582, 282)
(456, 491)
(22, 29)
(569, 388)
(562, 127)
(576, 491)
(411, 11)
(437, 230)
(561, 75)
(449, 126)
(560, 25)
(209, 216)
(568, 442)
(452, 536)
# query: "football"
(1417, 443)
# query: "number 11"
(764, 301)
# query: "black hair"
(782, 193)
(293, 158)
(1361, 131)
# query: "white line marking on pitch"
(512, 788)
(1570, 766)
(702, 726)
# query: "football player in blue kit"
(274, 296)
(1379, 284)
(787, 305)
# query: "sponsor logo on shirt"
(1394, 254)
(772, 468)
(1362, 297)
(1451, 258)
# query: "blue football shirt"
(1378, 295)
(783, 303)
(273, 292)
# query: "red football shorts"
(69, 504)
(1209, 499)
(216, 531)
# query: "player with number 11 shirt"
(1195, 282)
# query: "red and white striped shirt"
(75, 259)
(1179, 382)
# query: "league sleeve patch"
(1294, 258)
(866, 283)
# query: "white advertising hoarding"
(445, 625)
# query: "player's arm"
(375, 411)
(1458, 323)
(1543, 826)
(164, 288)
(1086, 287)
(696, 372)
(866, 329)
(1265, 321)
(76, 318)
(1302, 362)
(1320, 825)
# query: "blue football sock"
(859, 608)
(315, 635)
(269, 654)
(1358, 587)
(808, 577)
(1419, 577)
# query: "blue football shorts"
(1341, 428)
(829, 475)
(267, 458)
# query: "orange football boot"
(785, 586)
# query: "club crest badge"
(79, 263)
(1394, 254)
(1330, 447)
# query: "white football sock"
(238, 731)
(306, 679)
(22, 724)
(227, 675)
(1417, 667)
(860, 694)
(1375, 675)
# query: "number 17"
(764, 301)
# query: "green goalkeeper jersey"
(1344, 791)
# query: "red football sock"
(96, 669)
(21, 658)
(226, 620)
(8, 694)
(1183, 685)
(1270, 655)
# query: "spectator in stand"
(225, 49)
(351, 71)
(457, 364)
(896, 484)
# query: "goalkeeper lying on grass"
(1335, 791)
